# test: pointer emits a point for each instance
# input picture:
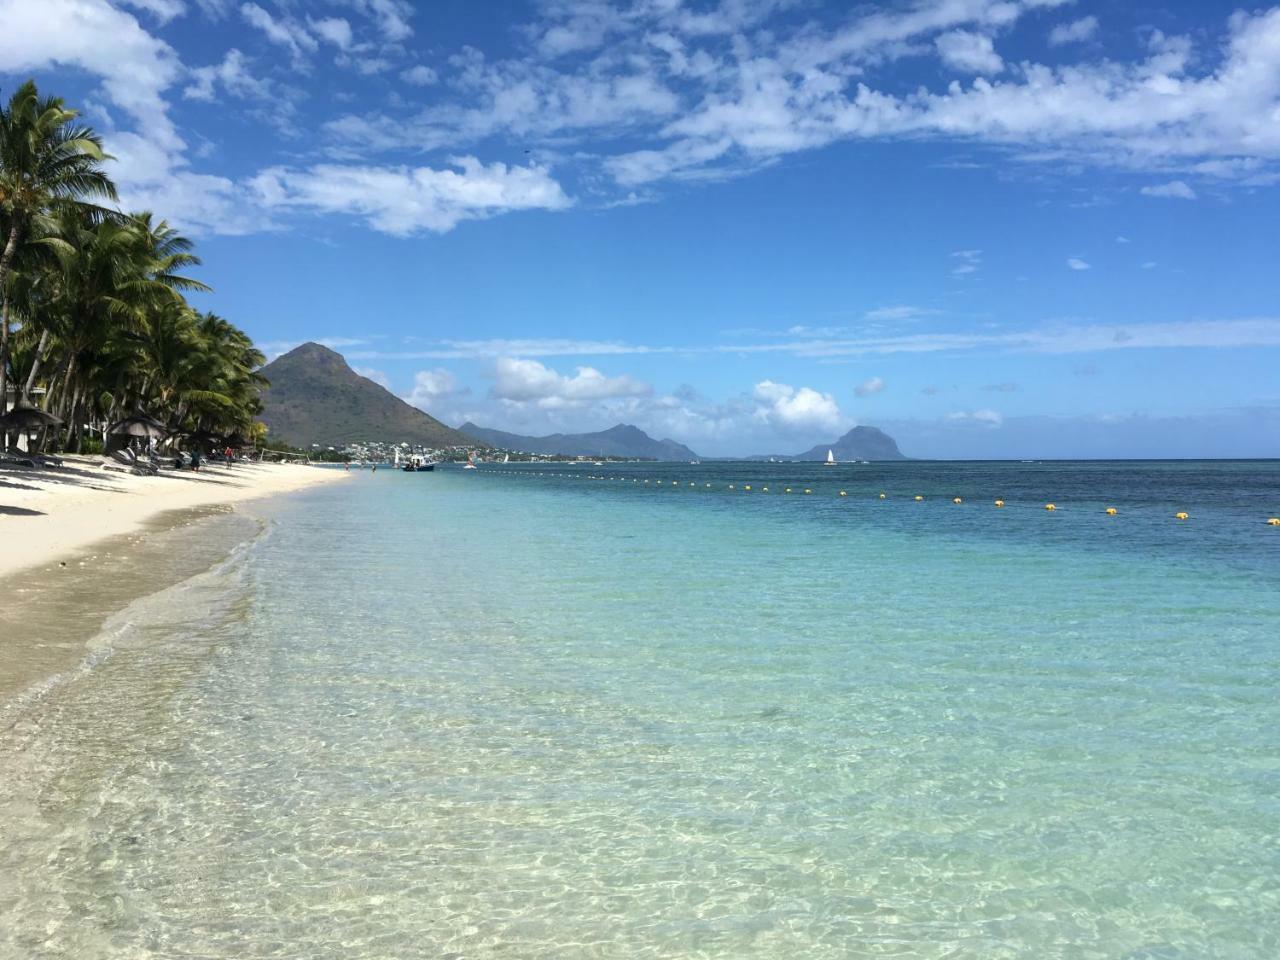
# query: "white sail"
(831, 457)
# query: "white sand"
(46, 514)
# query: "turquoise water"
(504, 713)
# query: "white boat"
(506, 458)
(831, 459)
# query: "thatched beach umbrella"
(139, 425)
(25, 415)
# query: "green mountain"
(315, 398)
(860, 443)
(622, 440)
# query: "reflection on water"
(480, 716)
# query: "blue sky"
(1010, 228)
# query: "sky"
(993, 228)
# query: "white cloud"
(969, 52)
(432, 387)
(528, 381)
(162, 10)
(408, 200)
(1177, 189)
(391, 17)
(901, 312)
(419, 76)
(869, 388)
(986, 418)
(792, 410)
(1123, 239)
(283, 32)
(335, 30)
(232, 74)
(1075, 263)
(966, 262)
(377, 376)
(1074, 32)
(134, 66)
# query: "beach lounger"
(20, 459)
(124, 460)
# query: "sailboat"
(831, 459)
(506, 458)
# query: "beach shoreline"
(49, 515)
(81, 544)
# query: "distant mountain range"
(315, 398)
(860, 443)
(622, 440)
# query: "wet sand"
(56, 514)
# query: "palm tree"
(45, 159)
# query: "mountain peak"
(314, 397)
(620, 440)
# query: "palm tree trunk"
(10, 248)
(71, 418)
(4, 367)
(37, 362)
(6, 260)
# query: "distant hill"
(860, 443)
(315, 398)
(623, 440)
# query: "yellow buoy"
(1181, 516)
(708, 484)
(999, 503)
(918, 498)
(1273, 521)
(765, 489)
(1112, 511)
(843, 494)
(747, 487)
(882, 496)
(731, 486)
(788, 490)
(807, 490)
(692, 484)
(957, 500)
(1050, 506)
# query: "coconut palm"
(45, 159)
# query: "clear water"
(503, 713)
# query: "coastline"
(81, 544)
(50, 515)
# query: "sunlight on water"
(512, 715)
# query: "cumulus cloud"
(408, 200)
(528, 381)
(1073, 32)
(1176, 189)
(1075, 263)
(790, 409)
(420, 76)
(969, 52)
(431, 387)
(869, 387)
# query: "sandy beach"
(48, 514)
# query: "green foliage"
(94, 312)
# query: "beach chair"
(125, 459)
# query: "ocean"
(550, 711)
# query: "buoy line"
(1181, 515)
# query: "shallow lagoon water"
(517, 712)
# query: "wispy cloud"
(1176, 189)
